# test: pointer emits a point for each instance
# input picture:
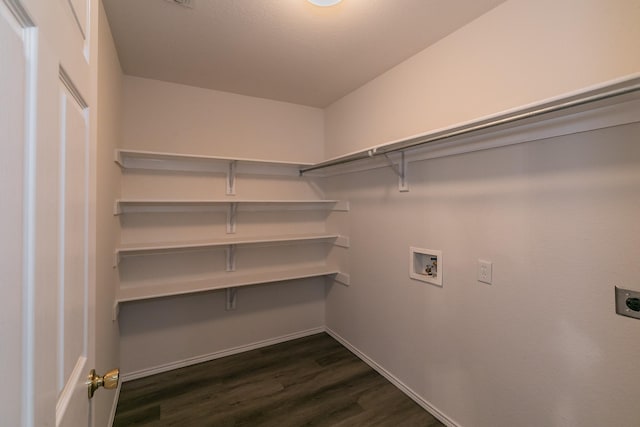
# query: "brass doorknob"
(108, 380)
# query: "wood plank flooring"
(311, 381)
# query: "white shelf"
(125, 158)
(136, 159)
(222, 278)
(229, 280)
(471, 135)
(123, 206)
(169, 247)
(230, 166)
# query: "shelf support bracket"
(401, 170)
(232, 298)
(231, 178)
(117, 209)
(231, 217)
(116, 311)
(343, 278)
(231, 258)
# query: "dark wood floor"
(312, 381)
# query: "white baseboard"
(395, 381)
(116, 398)
(218, 354)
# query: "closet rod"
(466, 129)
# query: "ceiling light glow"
(324, 3)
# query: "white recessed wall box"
(426, 265)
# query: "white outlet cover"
(485, 271)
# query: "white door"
(47, 227)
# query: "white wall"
(163, 332)
(183, 119)
(520, 52)
(108, 231)
(542, 345)
(159, 116)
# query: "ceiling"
(286, 50)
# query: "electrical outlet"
(485, 271)
(628, 302)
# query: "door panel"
(47, 181)
(73, 253)
(74, 357)
(12, 125)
